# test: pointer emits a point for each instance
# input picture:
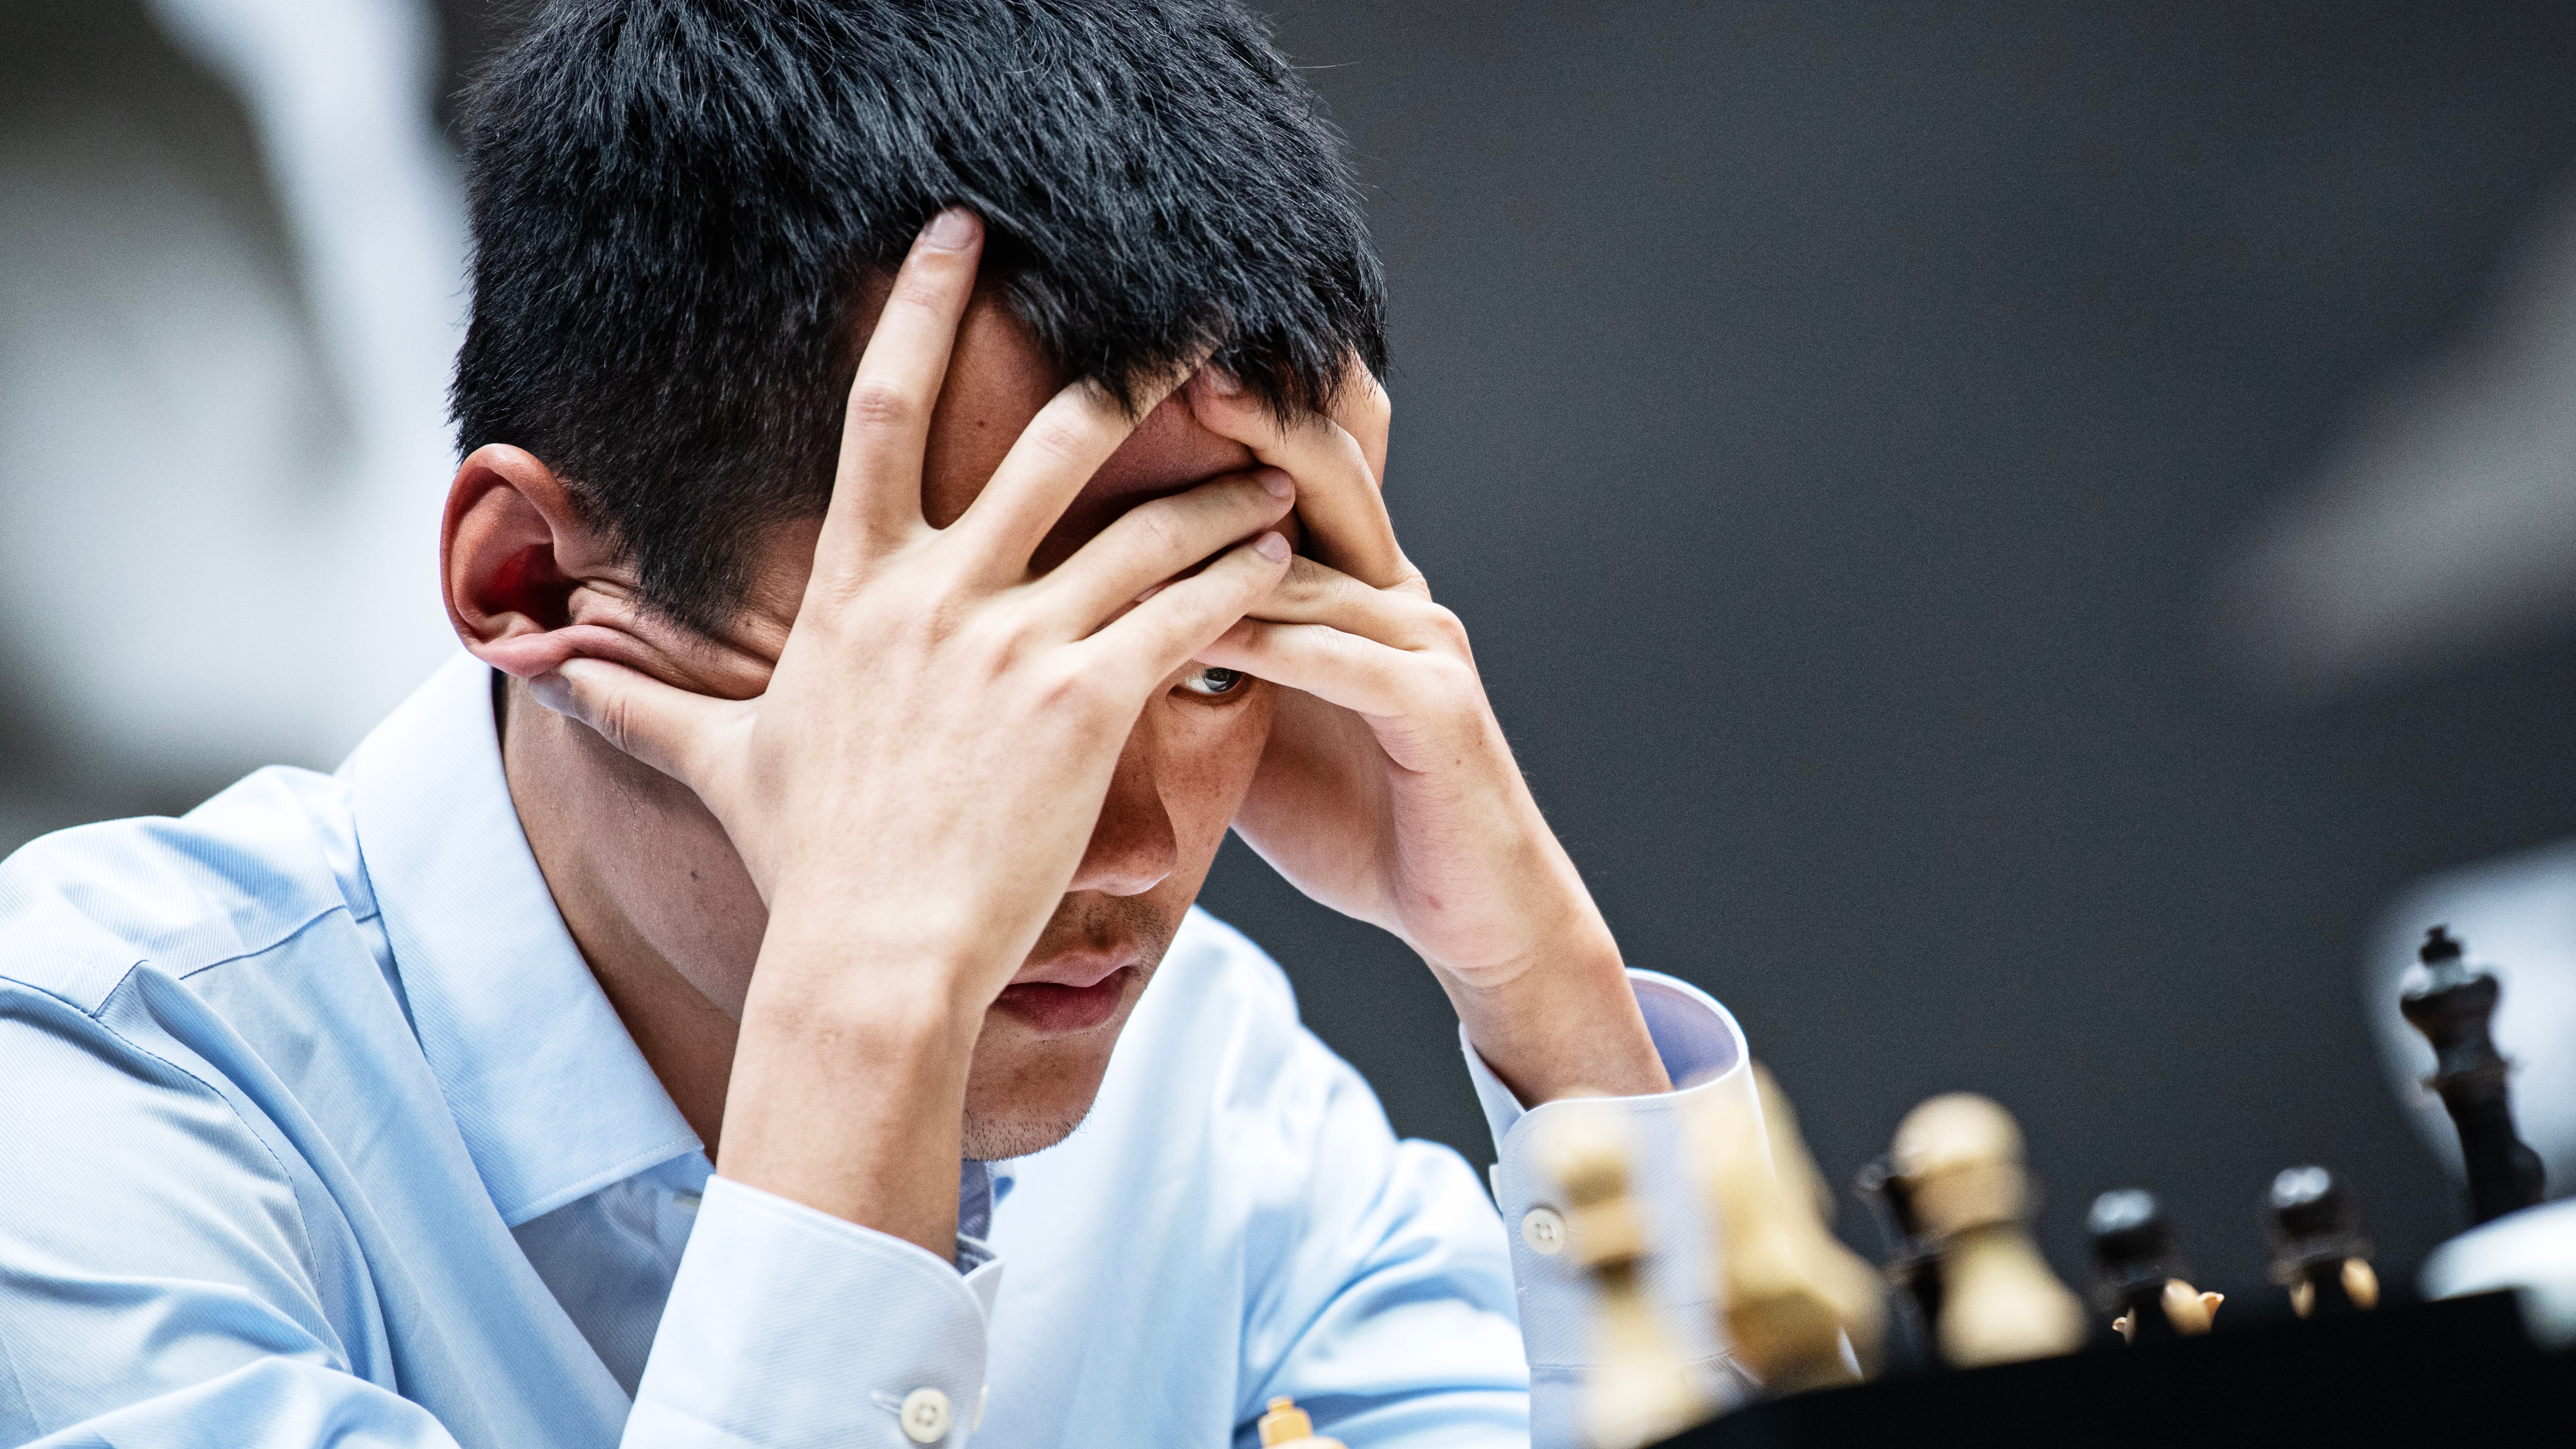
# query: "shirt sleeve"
(1703, 1052)
(789, 1327)
(156, 1283)
(158, 1286)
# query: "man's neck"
(591, 824)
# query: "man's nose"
(1132, 847)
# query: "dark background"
(1830, 418)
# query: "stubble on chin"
(1018, 1129)
(995, 1139)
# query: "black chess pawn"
(2455, 1009)
(2317, 1253)
(1913, 1267)
(2135, 1269)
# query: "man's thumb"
(657, 723)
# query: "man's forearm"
(1566, 1022)
(849, 1086)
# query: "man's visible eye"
(1211, 681)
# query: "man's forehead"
(1168, 453)
(998, 379)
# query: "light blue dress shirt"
(317, 1130)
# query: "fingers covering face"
(1047, 466)
(1184, 618)
(1337, 480)
(876, 492)
(1315, 593)
(1154, 541)
(1375, 651)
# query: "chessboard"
(1966, 1334)
(2453, 1371)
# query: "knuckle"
(614, 718)
(1449, 677)
(1158, 530)
(941, 621)
(1054, 437)
(882, 403)
(1310, 585)
(927, 277)
(1067, 685)
(1446, 626)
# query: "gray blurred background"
(2009, 540)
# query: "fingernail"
(950, 230)
(1221, 382)
(1272, 547)
(553, 691)
(1278, 484)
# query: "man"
(670, 1021)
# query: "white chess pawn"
(1960, 1156)
(1642, 1388)
(1787, 1288)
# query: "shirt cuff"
(788, 1327)
(1703, 1052)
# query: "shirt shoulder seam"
(286, 1177)
(279, 939)
(104, 997)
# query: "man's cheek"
(1209, 756)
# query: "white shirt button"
(1544, 1231)
(925, 1416)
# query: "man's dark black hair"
(677, 204)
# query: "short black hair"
(677, 206)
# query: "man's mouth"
(1054, 1007)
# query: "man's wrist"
(849, 1077)
(874, 968)
(1566, 1023)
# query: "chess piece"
(1912, 1268)
(1786, 1287)
(1288, 1427)
(2454, 1009)
(2133, 1254)
(1642, 1387)
(1858, 1293)
(1959, 1158)
(2316, 1252)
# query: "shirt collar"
(552, 1097)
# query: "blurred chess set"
(1965, 1333)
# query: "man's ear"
(511, 553)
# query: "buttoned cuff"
(1703, 1052)
(788, 1327)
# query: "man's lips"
(1052, 1006)
(1084, 966)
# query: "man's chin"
(993, 1138)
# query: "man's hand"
(1388, 792)
(913, 792)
